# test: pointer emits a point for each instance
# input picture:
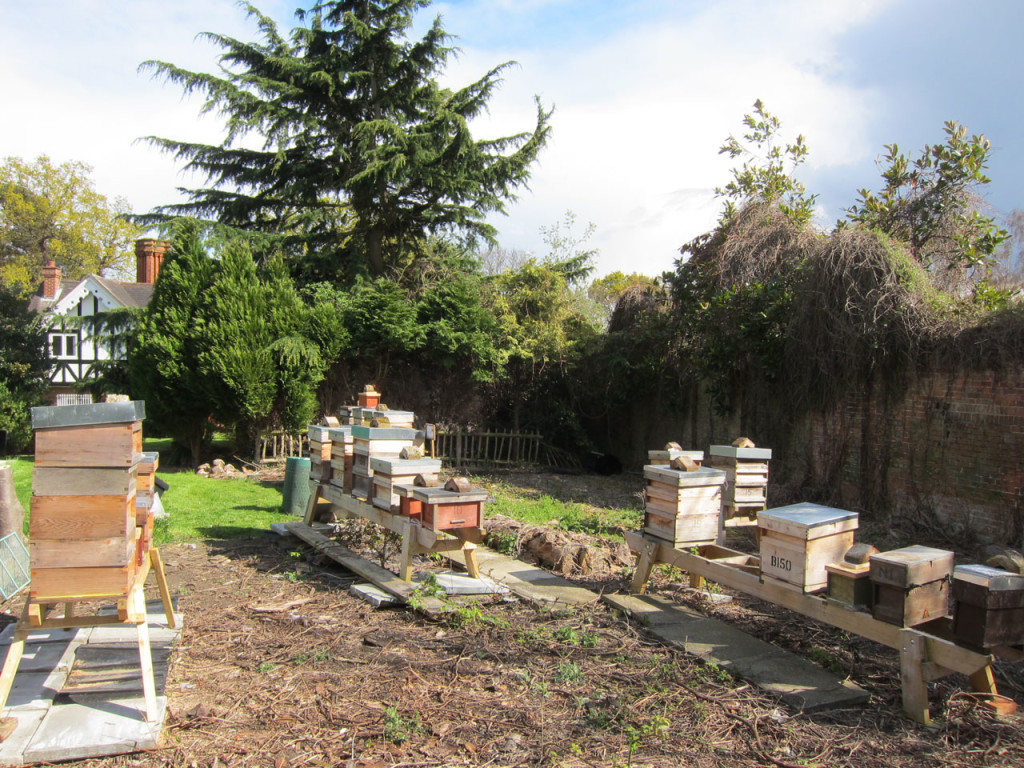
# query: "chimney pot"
(149, 255)
(51, 280)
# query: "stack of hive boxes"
(377, 442)
(683, 506)
(320, 447)
(82, 528)
(145, 495)
(390, 473)
(746, 488)
(341, 457)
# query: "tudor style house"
(73, 346)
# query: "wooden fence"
(280, 445)
(487, 449)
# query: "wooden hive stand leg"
(10, 669)
(408, 552)
(644, 566)
(469, 553)
(915, 687)
(314, 498)
(145, 654)
(157, 564)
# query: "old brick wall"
(945, 446)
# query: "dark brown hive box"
(989, 606)
(911, 585)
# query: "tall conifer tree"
(363, 153)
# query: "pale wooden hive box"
(320, 447)
(369, 442)
(988, 607)
(911, 585)
(84, 536)
(746, 485)
(799, 540)
(388, 472)
(342, 448)
(403, 419)
(681, 507)
(663, 458)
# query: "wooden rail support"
(925, 652)
(415, 538)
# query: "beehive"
(445, 510)
(988, 606)
(341, 457)
(681, 507)
(746, 482)
(320, 448)
(911, 585)
(370, 442)
(389, 472)
(388, 418)
(799, 540)
(369, 397)
(82, 528)
(665, 456)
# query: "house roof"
(111, 293)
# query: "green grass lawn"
(198, 507)
(205, 508)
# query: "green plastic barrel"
(296, 486)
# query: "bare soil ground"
(280, 666)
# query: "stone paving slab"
(54, 725)
(798, 682)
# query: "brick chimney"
(51, 280)
(149, 255)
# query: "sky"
(644, 93)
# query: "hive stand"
(415, 538)
(926, 652)
(131, 609)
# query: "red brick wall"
(948, 444)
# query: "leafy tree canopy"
(24, 366)
(54, 212)
(931, 203)
(763, 176)
(363, 153)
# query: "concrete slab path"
(58, 721)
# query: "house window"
(64, 346)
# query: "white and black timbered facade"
(73, 344)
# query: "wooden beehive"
(320, 448)
(388, 418)
(371, 442)
(746, 482)
(83, 523)
(342, 446)
(850, 583)
(407, 505)
(665, 456)
(445, 510)
(911, 585)
(799, 540)
(389, 472)
(369, 397)
(681, 507)
(988, 606)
